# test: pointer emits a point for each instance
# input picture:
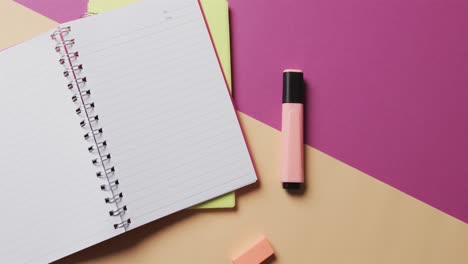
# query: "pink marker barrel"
(292, 131)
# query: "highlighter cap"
(293, 86)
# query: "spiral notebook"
(109, 125)
(217, 17)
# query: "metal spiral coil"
(75, 68)
(118, 211)
(111, 186)
(86, 107)
(67, 43)
(77, 83)
(109, 171)
(115, 198)
(59, 33)
(69, 55)
(123, 224)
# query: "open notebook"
(217, 17)
(111, 125)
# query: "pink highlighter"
(292, 152)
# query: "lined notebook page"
(164, 106)
(52, 205)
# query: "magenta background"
(58, 10)
(387, 83)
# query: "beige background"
(344, 216)
(18, 23)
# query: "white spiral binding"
(73, 71)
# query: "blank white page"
(52, 205)
(164, 105)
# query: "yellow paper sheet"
(217, 16)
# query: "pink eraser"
(255, 254)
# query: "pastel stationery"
(217, 16)
(112, 125)
(392, 59)
(387, 88)
(292, 130)
(344, 211)
(256, 254)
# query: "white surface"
(164, 105)
(52, 205)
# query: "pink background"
(58, 10)
(387, 83)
